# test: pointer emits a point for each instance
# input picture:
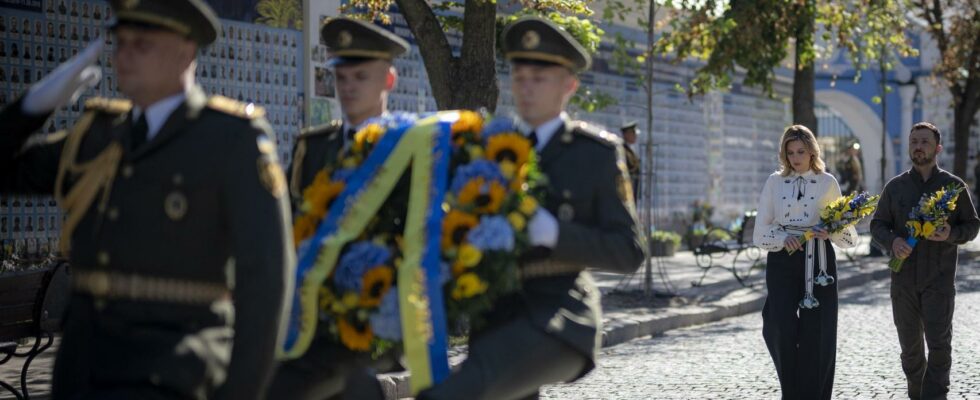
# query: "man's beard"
(925, 159)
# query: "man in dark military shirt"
(632, 161)
(923, 291)
(551, 331)
(176, 221)
(361, 56)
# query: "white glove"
(542, 230)
(64, 84)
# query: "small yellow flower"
(468, 285)
(469, 255)
(528, 205)
(350, 300)
(349, 162)
(476, 152)
(508, 169)
(368, 135)
(928, 229)
(517, 221)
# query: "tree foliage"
(955, 27)
(466, 77)
(759, 36)
(280, 13)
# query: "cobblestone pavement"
(728, 359)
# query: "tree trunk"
(964, 113)
(467, 81)
(803, 73)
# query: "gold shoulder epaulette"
(320, 130)
(597, 134)
(112, 106)
(235, 107)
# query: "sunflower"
(377, 281)
(368, 135)
(303, 228)
(517, 220)
(468, 121)
(318, 196)
(468, 285)
(528, 205)
(355, 336)
(455, 226)
(483, 197)
(509, 147)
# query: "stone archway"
(865, 123)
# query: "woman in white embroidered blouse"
(800, 314)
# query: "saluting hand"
(65, 83)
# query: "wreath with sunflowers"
(492, 190)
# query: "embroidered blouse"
(791, 204)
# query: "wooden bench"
(740, 244)
(29, 307)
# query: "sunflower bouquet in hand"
(494, 191)
(931, 213)
(842, 213)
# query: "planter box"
(662, 249)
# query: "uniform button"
(155, 379)
(178, 179)
(113, 213)
(127, 171)
(103, 258)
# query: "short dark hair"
(929, 127)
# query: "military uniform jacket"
(202, 201)
(316, 147)
(589, 192)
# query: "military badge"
(271, 175)
(344, 39)
(175, 205)
(531, 40)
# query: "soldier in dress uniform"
(176, 220)
(551, 331)
(361, 55)
(632, 161)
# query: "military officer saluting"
(361, 57)
(551, 331)
(176, 222)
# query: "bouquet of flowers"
(842, 213)
(931, 213)
(494, 191)
(485, 186)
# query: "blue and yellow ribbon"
(426, 147)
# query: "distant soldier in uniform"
(176, 223)
(551, 331)
(632, 161)
(361, 56)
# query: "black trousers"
(924, 313)
(802, 342)
(509, 361)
